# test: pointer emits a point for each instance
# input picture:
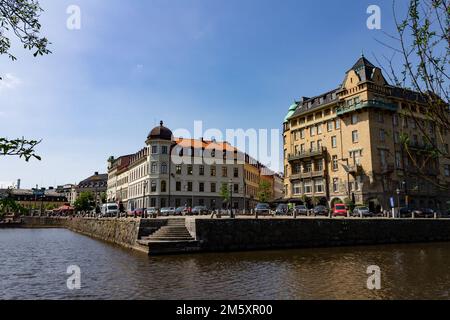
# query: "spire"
(161, 123)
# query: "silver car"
(301, 210)
(167, 211)
(362, 212)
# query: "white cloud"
(9, 81)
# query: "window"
(382, 135)
(308, 186)
(383, 158)
(308, 167)
(213, 171)
(236, 188)
(380, 117)
(201, 187)
(447, 170)
(163, 186)
(164, 149)
(335, 185)
(337, 124)
(236, 172)
(178, 186)
(355, 136)
(330, 126)
(164, 168)
(154, 149)
(319, 129)
(395, 119)
(189, 186)
(224, 172)
(318, 186)
(202, 170)
(398, 160)
(334, 142)
(319, 144)
(302, 134)
(302, 148)
(297, 188)
(396, 137)
(213, 187)
(154, 167)
(190, 170)
(355, 156)
(354, 118)
(312, 131)
(318, 165)
(153, 186)
(335, 163)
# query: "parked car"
(138, 212)
(405, 212)
(181, 211)
(424, 213)
(199, 210)
(282, 210)
(320, 211)
(110, 210)
(262, 209)
(339, 210)
(301, 210)
(152, 211)
(362, 211)
(167, 211)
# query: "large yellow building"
(348, 143)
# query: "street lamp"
(398, 200)
(231, 198)
(143, 198)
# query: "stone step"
(171, 239)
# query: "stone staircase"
(175, 230)
(172, 238)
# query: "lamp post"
(398, 201)
(143, 199)
(231, 199)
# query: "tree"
(421, 47)
(19, 147)
(84, 202)
(225, 193)
(20, 19)
(264, 191)
(8, 205)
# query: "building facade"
(348, 144)
(174, 172)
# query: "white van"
(110, 210)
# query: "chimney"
(18, 184)
(96, 173)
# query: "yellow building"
(348, 144)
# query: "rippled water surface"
(34, 263)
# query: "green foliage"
(9, 205)
(103, 197)
(264, 191)
(350, 204)
(84, 202)
(20, 19)
(225, 192)
(19, 147)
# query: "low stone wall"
(251, 234)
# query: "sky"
(229, 63)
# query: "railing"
(367, 104)
(307, 154)
(307, 175)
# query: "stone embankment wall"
(251, 234)
(124, 232)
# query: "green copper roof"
(291, 111)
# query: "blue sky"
(231, 64)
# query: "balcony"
(307, 175)
(307, 154)
(367, 104)
(354, 168)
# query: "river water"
(34, 265)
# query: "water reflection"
(34, 264)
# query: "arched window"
(163, 186)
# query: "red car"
(340, 210)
